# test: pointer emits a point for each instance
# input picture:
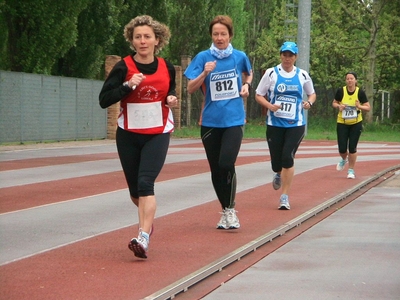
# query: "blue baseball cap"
(289, 46)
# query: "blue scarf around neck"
(221, 53)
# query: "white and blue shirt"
(286, 89)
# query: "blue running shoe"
(341, 164)
(284, 202)
(351, 174)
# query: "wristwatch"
(126, 83)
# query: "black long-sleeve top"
(113, 89)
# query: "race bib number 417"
(288, 107)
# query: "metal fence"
(38, 108)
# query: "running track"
(66, 217)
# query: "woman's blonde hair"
(161, 31)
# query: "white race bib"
(350, 112)
(288, 107)
(223, 85)
(144, 115)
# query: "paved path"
(353, 254)
(66, 218)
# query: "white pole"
(303, 40)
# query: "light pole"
(303, 39)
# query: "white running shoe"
(341, 164)
(276, 181)
(232, 221)
(139, 246)
(222, 222)
(284, 202)
(351, 174)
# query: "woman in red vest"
(145, 86)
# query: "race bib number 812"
(223, 85)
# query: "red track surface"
(102, 267)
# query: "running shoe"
(232, 221)
(351, 174)
(341, 164)
(284, 202)
(139, 246)
(276, 181)
(222, 222)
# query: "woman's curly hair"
(161, 31)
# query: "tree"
(350, 36)
(3, 37)
(39, 32)
(188, 22)
(367, 13)
(98, 25)
(259, 43)
(334, 45)
(344, 37)
(388, 54)
(101, 27)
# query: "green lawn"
(316, 130)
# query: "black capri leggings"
(142, 157)
(348, 136)
(222, 147)
(283, 144)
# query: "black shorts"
(283, 144)
(142, 157)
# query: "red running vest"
(144, 109)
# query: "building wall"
(38, 108)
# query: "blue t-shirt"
(223, 105)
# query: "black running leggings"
(142, 157)
(283, 144)
(348, 136)
(222, 147)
